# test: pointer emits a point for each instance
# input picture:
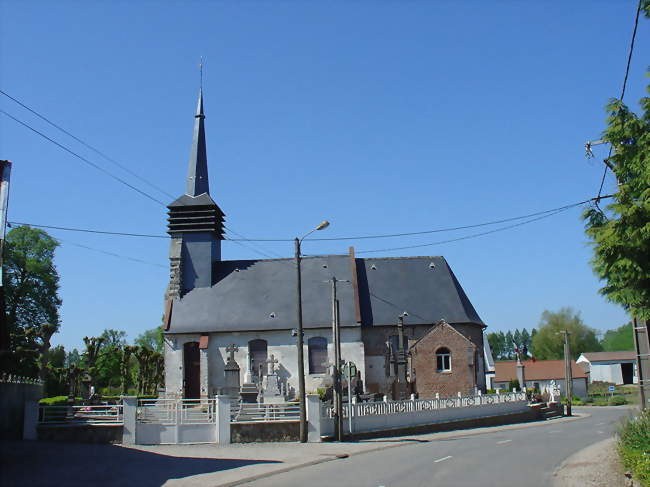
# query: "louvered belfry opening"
(195, 218)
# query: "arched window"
(443, 360)
(257, 351)
(317, 351)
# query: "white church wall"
(280, 344)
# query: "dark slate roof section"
(261, 295)
(187, 200)
(424, 287)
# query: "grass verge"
(634, 447)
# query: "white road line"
(442, 459)
(555, 431)
(599, 432)
(503, 441)
(599, 424)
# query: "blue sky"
(382, 117)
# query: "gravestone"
(231, 372)
(272, 393)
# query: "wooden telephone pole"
(568, 375)
(641, 333)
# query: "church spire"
(197, 174)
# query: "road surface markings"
(442, 459)
(503, 441)
(600, 424)
(599, 432)
(555, 431)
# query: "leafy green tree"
(151, 339)
(619, 339)
(525, 337)
(496, 345)
(32, 301)
(72, 358)
(107, 368)
(620, 235)
(509, 346)
(548, 342)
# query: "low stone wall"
(432, 420)
(512, 418)
(13, 397)
(81, 433)
(264, 432)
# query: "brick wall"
(428, 380)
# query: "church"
(225, 317)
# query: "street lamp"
(299, 343)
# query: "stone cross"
(270, 363)
(231, 349)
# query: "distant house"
(489, 364)
(539, 374)
(616, 367)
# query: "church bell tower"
(195, 222)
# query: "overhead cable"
(87, 145)
(90, 163)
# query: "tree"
(619, 339)
(509, 347)
(72, 358)
(32, 302)
(107, 368)
(620, 235)
(548, 342)
(495, 345)
(151, 339)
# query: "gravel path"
(594, 466)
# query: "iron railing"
(103, 414)
(417, 405)
(258, 412)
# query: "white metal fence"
(258, 412)
(411, 406)
(105, 414)
(176, 411)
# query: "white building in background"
(616, 367)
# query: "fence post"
(313, 418)
(129, 409)
(222, 407)
(30, 420)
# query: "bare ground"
(594, 466)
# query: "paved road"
(519, 457)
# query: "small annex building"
(539, 374)
(240, 315)
(616, 367)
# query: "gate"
(171, 421)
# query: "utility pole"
(641, 333)
(5, 176)
(568, 376)
(401, 360)
(336, 339)
(299, 344)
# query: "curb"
(402, 443)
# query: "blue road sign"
(612, 388)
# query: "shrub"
(56, 401)
(617, 401)
(634, 446)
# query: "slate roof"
(261, 294)
(535, 370)
(609, 356)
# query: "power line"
(90, 163)
(494, 222)
(467, 237)
(627, 72)
(112, 254)
(87, 145)
(252, 247)
(87, 230)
